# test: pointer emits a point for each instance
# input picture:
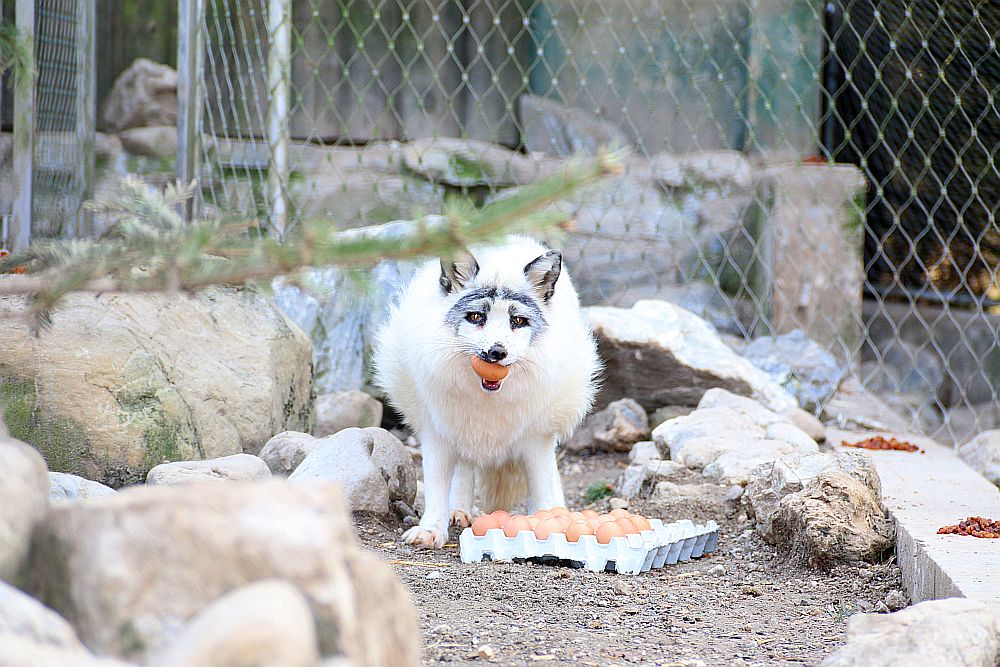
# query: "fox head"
(499, 322)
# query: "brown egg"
(605, 518)
(594, 522)
(618, 513)
(559, 511)
(576, 529)
(543, 514)
(501, 516)
(564, 520)
(533, 521)
(516, 525)
(641, 522)
(489, 372)
(590, 514)
(626, 524)
(577, 516)
(548, 526)
(484, 523)
(606, 531)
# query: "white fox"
(511, 305)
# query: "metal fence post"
(190, 48)
(279, 65)
(86, 108)
(19, 234)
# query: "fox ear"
(456, 274)
(543, 272)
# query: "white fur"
(506, 438)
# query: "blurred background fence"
(796, 165)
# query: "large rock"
(954, 631)
(728, 435)
(63, 486)
(642, 475)
(24, 617)
(560, 131)
(660, 354)
(284, 452)
(834, 519)
(983, 454)
(772, 481)
(346, 409)
(799, 365)
(130, 571)
(238, 467)
(158, 141)
(24, 498)
(728, 169)
(121, 383)
(144, 94)
(614, 429)
(469, 163)
(266, 623)
(372, 465)
(341, 320)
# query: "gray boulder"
(724, 168)
(372, 465)
(469, 163)
(614, 429)
(130, 571)
(284, 452)
(554, 129)
(834, 519)
(159, 141)
(346, 409)
(799, 365)
(24, 617)
(983, 454)
(24, 499)
(660, 354)
(955, 632)
(238, 467)
(264, 623)
(643, 451)
(63, 486)
(769, 482)
(642, 475)
(733, 466)
(144, 94)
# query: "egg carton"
(663, 544)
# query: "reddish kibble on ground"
(976, 526)
(878, 442)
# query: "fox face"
(499, 323)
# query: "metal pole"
(86, 108)
(190, 46)
(279, 64)
(24, 135)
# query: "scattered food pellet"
(976, 526)
(880, 443)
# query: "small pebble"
(622, 587)
(618, 504)
(487, 652)
(434, 575)
(895, 600)
(718, 569)
(881, 608)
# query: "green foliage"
(15, 55)
(151, 248)
(598, 491)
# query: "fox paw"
(424, 537)
(461, 518)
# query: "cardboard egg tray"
(664, 544)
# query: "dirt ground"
(746, 605)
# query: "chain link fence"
(829, 167)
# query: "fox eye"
(518, 321)
(475, 318)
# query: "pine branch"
(15, 55)
(150, 249)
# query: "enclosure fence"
(829, 167)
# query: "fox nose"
(497, 353)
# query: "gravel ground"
(746, 605)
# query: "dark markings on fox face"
(525, 311)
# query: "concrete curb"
(924, 492)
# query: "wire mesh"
(58, 190)
(829, 167)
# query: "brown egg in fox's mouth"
(491, 375)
